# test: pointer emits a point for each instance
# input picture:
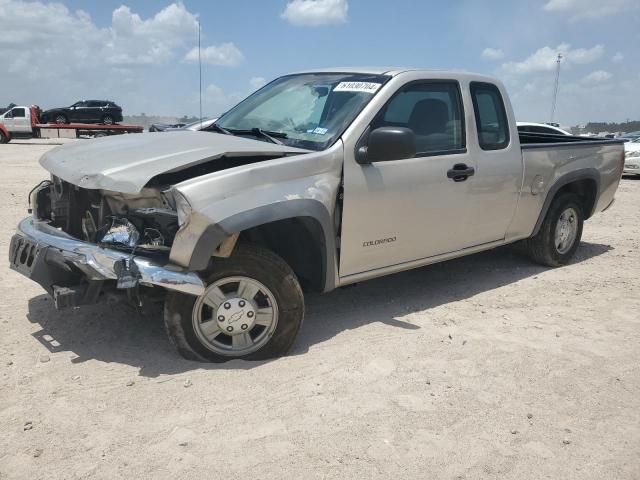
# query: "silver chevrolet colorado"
(317, 180)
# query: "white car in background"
(632, 157)
(529, 127)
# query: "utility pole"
(555, 88)
(200, 71)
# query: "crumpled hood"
(126, 163)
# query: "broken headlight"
(181, 206)
(122, 233)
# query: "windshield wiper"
(258, 132)
(219, 129)
(269, 135)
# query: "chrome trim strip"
(91, 257)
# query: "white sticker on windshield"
(367, 87)
(318, 131)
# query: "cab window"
(433, 110)
(18, 113)
(491, 116)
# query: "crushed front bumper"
(58, 261)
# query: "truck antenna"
(200, 72)
(555, 88)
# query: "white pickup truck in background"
(317, 180)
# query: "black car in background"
(85, 111)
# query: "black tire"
(542, 247)
(60, 119)
(3, 138)
(107, 120)
(253, 262)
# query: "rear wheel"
(556, 242)
(251, 309)
(60, 119)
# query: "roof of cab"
(393, 71)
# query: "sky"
(143, 53)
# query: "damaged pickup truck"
(317, 180)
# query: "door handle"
(460, 172)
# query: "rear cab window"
(491, 116)
(433, 111)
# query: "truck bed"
(531, 140)
(549, 160)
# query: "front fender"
(231, 201)
(198, 238)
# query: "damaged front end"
(111, 220)
(145, 222)
(85, 245)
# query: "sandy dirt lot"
(483, 367)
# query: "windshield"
(307, 110)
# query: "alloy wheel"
(235, 316)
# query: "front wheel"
(3, 138)
(60, 119)
(251, 309)
(556, 242)
(107, 120)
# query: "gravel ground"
(483, 367)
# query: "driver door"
(401, 211)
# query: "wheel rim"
(60, 119)
(107, 120)
(235, 316)
(566, 230)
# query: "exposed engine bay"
(143, 223)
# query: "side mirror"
(386, 144)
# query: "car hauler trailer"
(23, 122)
